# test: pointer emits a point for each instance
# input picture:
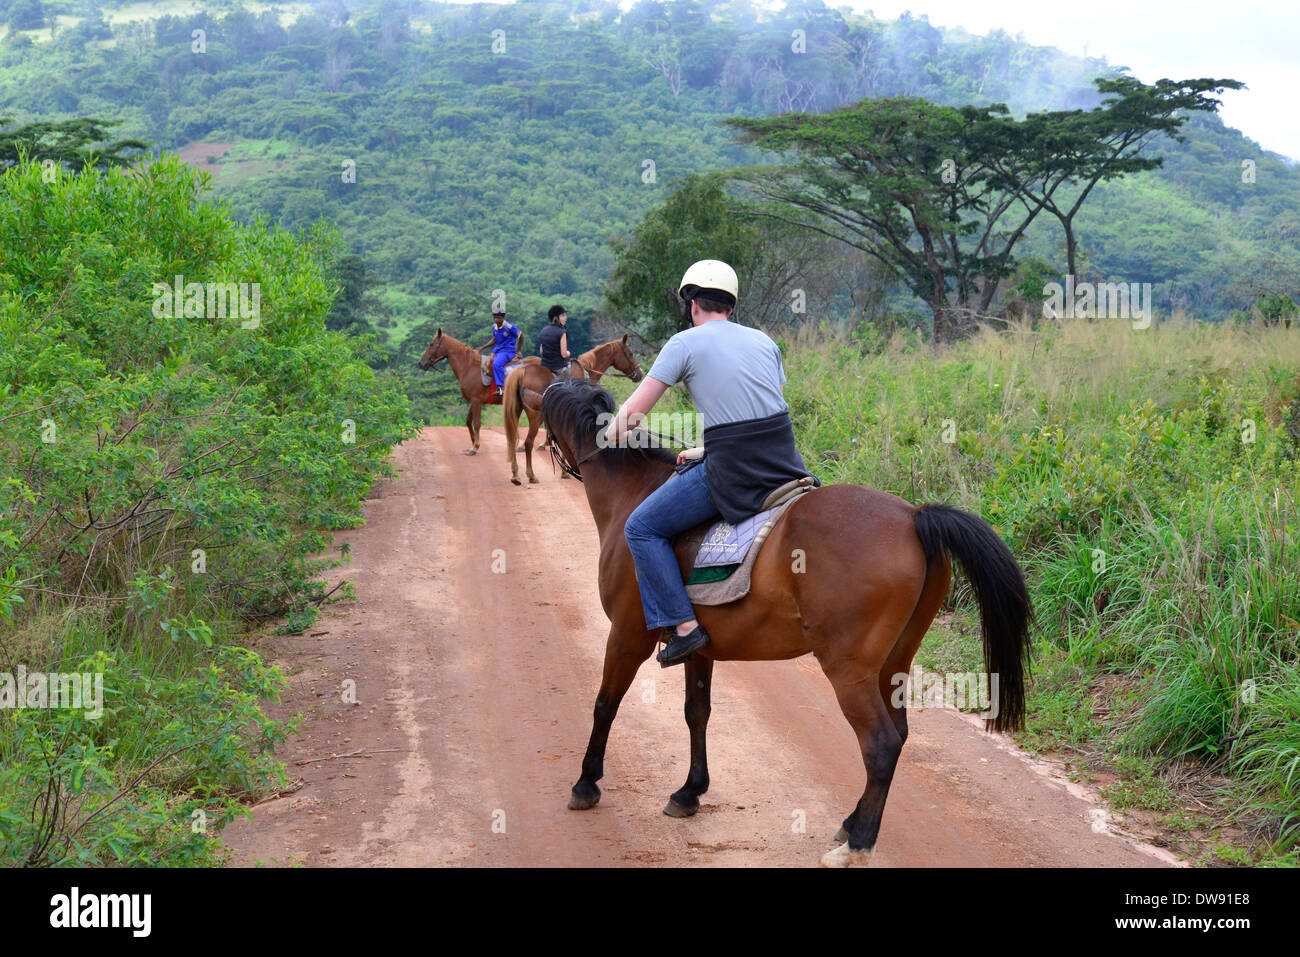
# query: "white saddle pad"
(727, 544)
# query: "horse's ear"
(438, 333)
(625, 338)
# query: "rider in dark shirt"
(555, 341)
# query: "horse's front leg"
(472, 419)
(622, 659)
(476, 412)
(699, 682)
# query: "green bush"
(165, 477)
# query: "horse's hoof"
(515, 481)
(673, 809)
(533, 481)
(472, 452)
(844, 856)
(521, 449)
(841, 836)
(583, 802)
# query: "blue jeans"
(680, 503)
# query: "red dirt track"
(474, 694)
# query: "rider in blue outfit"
(505, 349)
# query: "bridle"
(575, 469)
(588, 373)
(619, 375)
(445, 355)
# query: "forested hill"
(503, 146)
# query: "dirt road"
(474, 691)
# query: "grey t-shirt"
(732, 372)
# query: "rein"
(615, 372)
(573, 470)
(612, 371)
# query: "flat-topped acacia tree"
(940, 195)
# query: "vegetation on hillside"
(505, 146)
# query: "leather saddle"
(717, 549)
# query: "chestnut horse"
(466, 364)
(525, 385)
(869, 573)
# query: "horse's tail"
(999, 586)
(512, 406)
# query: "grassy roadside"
(1146, 480)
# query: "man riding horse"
(506, 339)
(872, 574)
(734, 375)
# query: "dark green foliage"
(941, 196)
(700, 220)
(71, 143)
(25, 15)
(233, 430)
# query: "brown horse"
(849, 573)
(591, 365)
(466, 364)
(525, 385)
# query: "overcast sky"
(1255, 41)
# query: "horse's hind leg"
(534, 420)
(699, 681)
(898, 664)
(855, 664)
(881, 745)
(622, 659)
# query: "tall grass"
(1146, 480)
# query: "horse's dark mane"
(572, 407)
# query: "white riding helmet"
(710, 275)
